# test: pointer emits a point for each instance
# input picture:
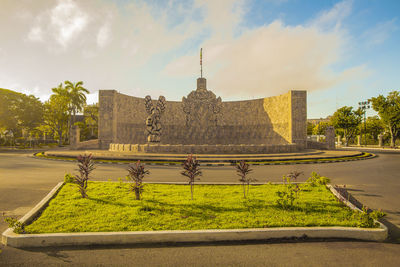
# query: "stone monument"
(202, 123)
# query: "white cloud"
(332, 19)
(68, 20)
(36, 34)
(139, 48)
(273, 58)
(380, 32)
(104, 35)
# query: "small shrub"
(136, 175)
(121, 182)
(18, 227)
(316, 179)
(86, 166)
(364, 218)
(191, 170)
(69, 178)
(293, 177)
(287, 196)
(243, 169)
(377, 214)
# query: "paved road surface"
(24, 181)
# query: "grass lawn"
(111, 206)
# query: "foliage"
(56, 115)
(310, 127)
(375, 126)
(77, 97)
(69, 178)
(85, 167)
(289, 194)
(243, 169)
(377, 214)
(74, 94)
(320, 128)
(91, 114)
(191, 170)
(366, 218)
(19, 111)
(315, 179)
(136, 175)
(18, 227)
(347, 120)
(388, 109)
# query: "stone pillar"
(74, 136)
(358, 140)
(339, 140)
(380, 138)
(330, 137)
(318, 138)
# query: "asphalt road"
(24, 181)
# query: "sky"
(341, 52)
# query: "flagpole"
(201, 63)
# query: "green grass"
(112, 207)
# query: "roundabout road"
(25, 180)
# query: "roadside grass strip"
(364, 155)
(111, 207)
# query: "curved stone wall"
(277, 120)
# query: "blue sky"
(341, 52)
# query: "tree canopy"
(347, 119)
(388, 109)
(19, 111)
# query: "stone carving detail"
(153, 122)
(202, 109)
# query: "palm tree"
(62, 91)
(77, 97)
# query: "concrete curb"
(12, 239)
(221, 163)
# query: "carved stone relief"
(153, 121)
(203, 110)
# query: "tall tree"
(347, 119)
(19, 111)
(77, 96)
(320, 128)
(375, 126)
(91, 114)
(388, 109)
(56, 115)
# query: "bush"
(191, 170)
(287, 196)
(316, 179)
(86, 166)
(18, 227)
(136, 175)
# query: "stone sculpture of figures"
(153, 123)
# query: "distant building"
(316, 121)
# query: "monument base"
(206, 149)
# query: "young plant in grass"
(243, 169)
(293, 177)
(136, 175)
(191, 170)
(315, 179)
(85, 167)
(287, 196)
